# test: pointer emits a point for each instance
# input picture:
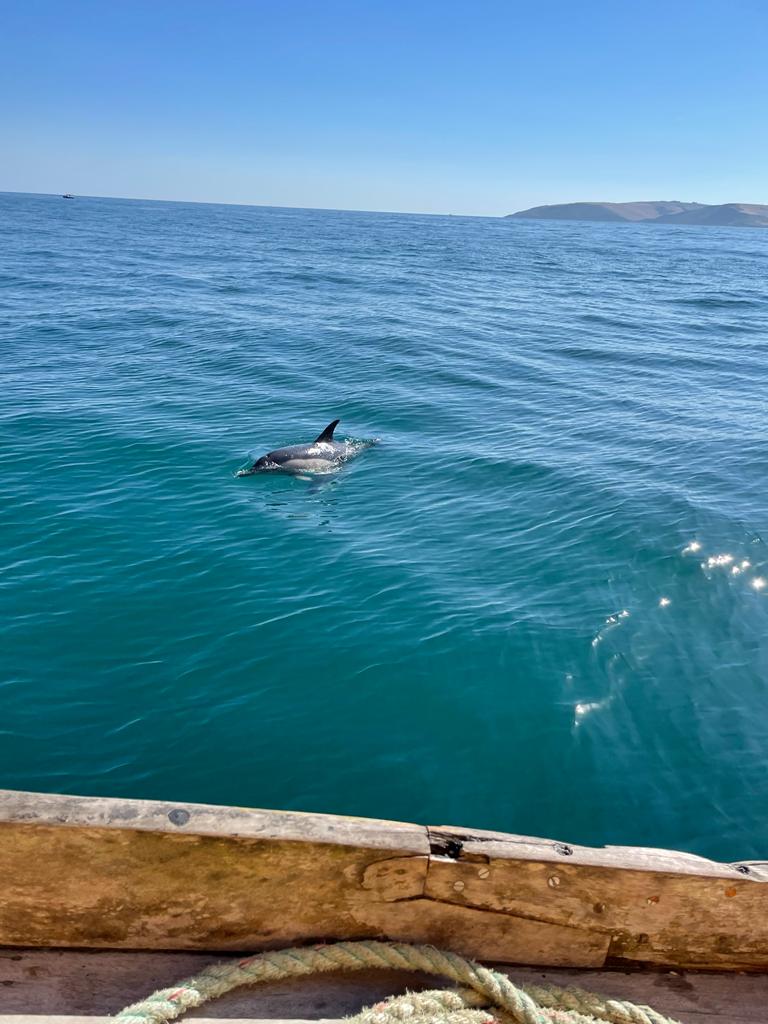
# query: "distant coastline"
(659, 212)
(731, 215)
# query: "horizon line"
(341, 209)
(257, 206)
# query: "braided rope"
(485, 996)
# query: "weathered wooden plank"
(103, 982)
(173, 818)
(90, 986)
(655, 906)
(133, 874)
(490, 936)
(82, 872)
(480, 845)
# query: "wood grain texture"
(481, 845)
(655, 906)
(91, 986)
(103, 872)
(122, 874)
(167, 818)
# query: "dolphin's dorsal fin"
(327, 434)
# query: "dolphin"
(323, 455)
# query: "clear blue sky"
(426, 105)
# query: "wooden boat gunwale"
(107, 873)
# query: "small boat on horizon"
(67, 195)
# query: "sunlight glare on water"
(538, 605)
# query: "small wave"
(718, 302)
(605, 319)
(566, 411)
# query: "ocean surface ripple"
(539, 605)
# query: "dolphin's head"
(260, 466)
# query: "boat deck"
(98, 891)
(89, 987)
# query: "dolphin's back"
(292, 451)
(321, 455)
(297, 456)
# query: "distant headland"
(727, 215)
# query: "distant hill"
(662, 212)
(607, 211)
(731, 215)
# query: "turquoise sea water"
(498, 617)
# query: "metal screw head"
(458, 886)
(483, 872)
(553, 881)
